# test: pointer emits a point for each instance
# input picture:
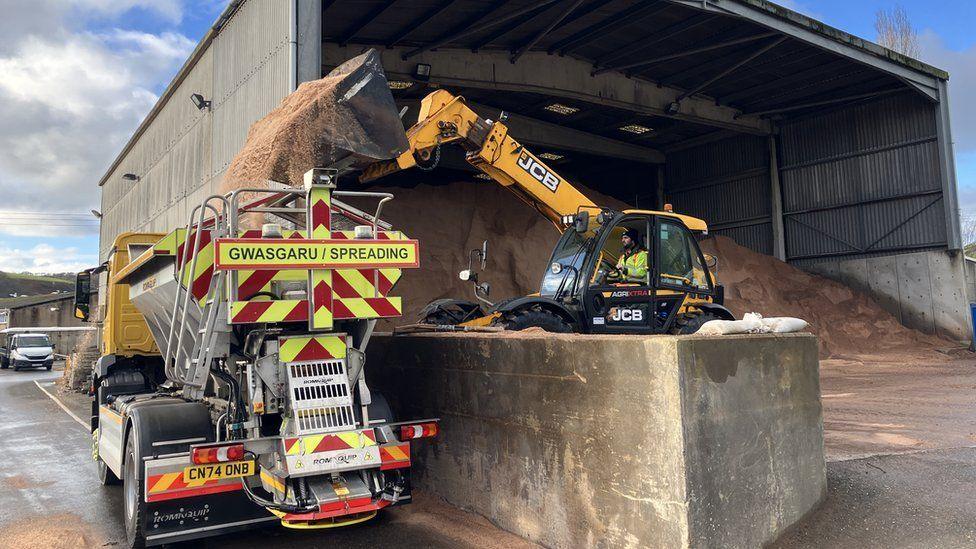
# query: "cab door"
(622, 307)
(681, 275)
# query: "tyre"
(105, 475)
(451, 314)
(4, 363)
(535, 317)
(691, 322)
(134, 508)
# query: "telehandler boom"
(583, 289)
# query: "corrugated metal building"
(794, 138)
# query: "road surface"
(901, 472)
(50, 496)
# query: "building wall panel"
(726, 183)
(862, 179)
(182, 154)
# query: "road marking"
(83, 423)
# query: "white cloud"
(961, 66)
(69, 99)
(171, 10)
(44, 258)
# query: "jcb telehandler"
(582, 290)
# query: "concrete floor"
(901, 468)
(50, 497)
(901, 472)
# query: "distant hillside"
(28, 284)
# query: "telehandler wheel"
(105, 475)
(132, 501)
(536, 317)
(690, 323)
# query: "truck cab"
(25, 350)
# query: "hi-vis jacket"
(634, 266)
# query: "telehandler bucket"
(346, 120)
(364, 101)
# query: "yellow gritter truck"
(230, 391)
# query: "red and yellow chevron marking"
(321, 304)
(320, 212)
(300, 349)
(282, 310)
(320, 280)
(171, 486)
(367, 307)
(296, 310)
(311, 444)
(364, 282)
(395, 456)
(359, 280)
(176, 243)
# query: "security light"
(673, 108)
(559, 108)
(635, 128)
(422, 72)
(130, 177)
(200, 102)
(550, 156)
(97, 214)
(399, 84)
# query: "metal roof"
(754, 56)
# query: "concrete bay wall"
(923, 290)
(615, 441)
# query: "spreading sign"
(263, 253)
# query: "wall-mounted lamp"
(130, 177)
(422, 72)
(97, 214)
(200, 102)
(673, 108)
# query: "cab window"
(625, 267)
(681, 262)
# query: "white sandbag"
(753, 323)
(785, 324)
(725, 327)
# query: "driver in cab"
(632, 265)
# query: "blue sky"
(77, 77)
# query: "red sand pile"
(450, 221)
(849, 323)
(287, 142)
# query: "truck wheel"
(535, 318)
(134, 507)
(690, 323)
(105, 475)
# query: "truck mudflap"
(194, 517)
(187, 501)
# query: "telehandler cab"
(582, 290)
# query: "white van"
(25, 350)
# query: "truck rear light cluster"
(218, 454)
(420, 430)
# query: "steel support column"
(947, 168)
(776, 202)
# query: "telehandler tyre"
(536, 317)
(690, 323)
